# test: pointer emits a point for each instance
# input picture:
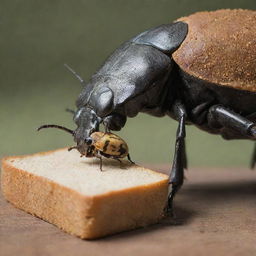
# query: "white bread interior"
(73, 194)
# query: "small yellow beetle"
(106, 144)
(99, 144)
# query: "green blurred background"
(38, 37)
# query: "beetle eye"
(88, 141)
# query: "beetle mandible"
(198, 70)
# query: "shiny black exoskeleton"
(140, 76)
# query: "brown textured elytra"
(110, 144)
(220, 48)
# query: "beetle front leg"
(179, 162)
(114, 121)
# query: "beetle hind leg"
(129, 158)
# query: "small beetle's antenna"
(55, 126)
(74, 73)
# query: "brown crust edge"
(84, 217)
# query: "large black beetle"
(209, 81)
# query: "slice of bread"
(73, 194)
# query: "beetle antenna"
(70, 110)
(55, 126)
(74, 73)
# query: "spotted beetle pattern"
(109, 145)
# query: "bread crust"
(88, 217)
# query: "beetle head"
(87, 122)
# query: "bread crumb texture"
(72, 193)
(220, 48)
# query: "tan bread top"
(221, 48)
(83, 174)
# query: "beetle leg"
(179, 162)
(117, 159)
(71, 148)
(199, 113)
(220, 117)
(252, 117)
(114, 122)
(70, 111)
(129, 158)
(253, 160)
(99, 157)
(233, 125)
(107, 130)
(100, 163)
